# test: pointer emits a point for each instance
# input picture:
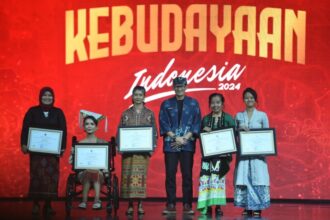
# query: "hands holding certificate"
(24, 149)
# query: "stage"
(93, 53)
(278, 211)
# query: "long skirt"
(134, 176)
(252, 197)
(212, 188)
(44, 176)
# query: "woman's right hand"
(24, 149)
(207, 129)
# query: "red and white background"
(93, 52)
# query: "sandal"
(140, 209)
(256, 214)
(97, 205)
(82, 205)
(246, 212)
(130, 210)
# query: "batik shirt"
(190, 122)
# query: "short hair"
(92, 118)
(139, 88)
(252, 92)
(222, 98)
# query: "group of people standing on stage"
(180, 124)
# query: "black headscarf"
(42, 92)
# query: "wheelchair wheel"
(70, 190)
(115, 194)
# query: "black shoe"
(35, 209)
(187, 209)
(218, 211)
(48, 211)
(170, 209)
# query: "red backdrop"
(295, 95)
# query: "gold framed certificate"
(218, 142)
(136, 139)
(91, 156)
(258, 142)
(42, 140)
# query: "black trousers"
(186, 160)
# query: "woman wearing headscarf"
(44, 168)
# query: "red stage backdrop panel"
(93, 52)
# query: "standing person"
(135, 165)
(44, 168)
(212, 183)
(251, 174)
(86, 177)
(180, 121)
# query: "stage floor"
(22, 210)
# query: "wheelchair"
(109, 188)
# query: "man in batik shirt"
(179, 121)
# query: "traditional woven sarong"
(134, 176)
(44, 176)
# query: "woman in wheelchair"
(88, 177)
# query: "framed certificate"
(257, 142)
(215, 143)
(136, 139)
(91, 156)
(44, 140)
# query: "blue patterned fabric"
(190, 122)
(252, 197)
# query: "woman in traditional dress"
(44, 168)
(251, 174)
(135, 165)
(88, 177)
(212, 184)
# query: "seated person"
(88, 177)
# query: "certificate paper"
(91, 156)
(45, 140)
(218, 142)
(136, 139)
(258, 142)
